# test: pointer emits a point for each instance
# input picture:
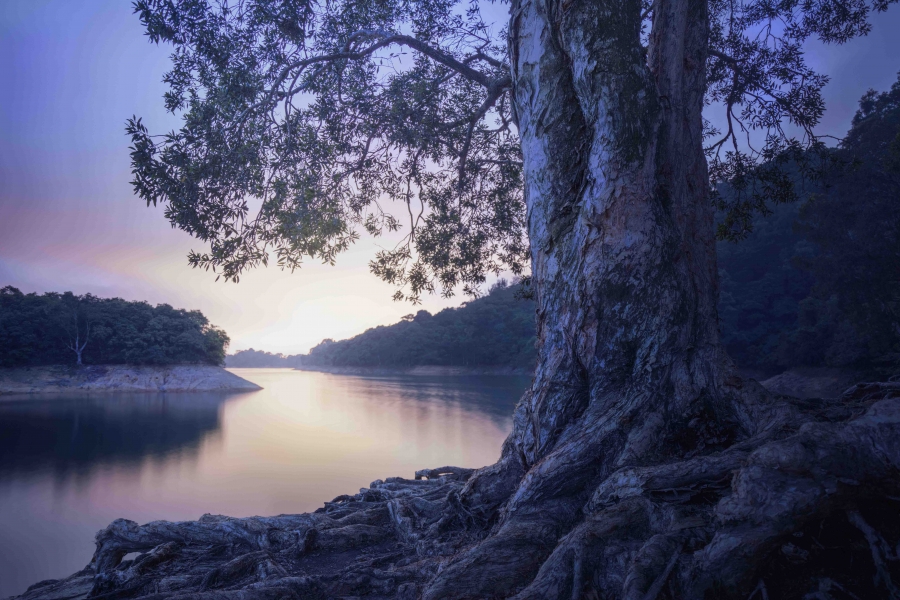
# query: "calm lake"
(70, 465)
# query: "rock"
(811, 382)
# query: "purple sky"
(72, 72)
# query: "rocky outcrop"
(121, 378)
(811, 382)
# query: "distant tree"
(816, 284)
(496, 330)
(761, 290)
(258, 358)
(76, 322)
(14, 340)
(500, 284)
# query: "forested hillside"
(761, 288)
(258, 358)
(64, 328)
(496, 330)
(819, 284)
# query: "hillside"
(259, 359)
(815, 285)
(777, 311)
(496, 330)
(66, 329)
(760, 290)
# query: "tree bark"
(620, 224)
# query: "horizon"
(69, 220)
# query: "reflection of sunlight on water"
(70, 466)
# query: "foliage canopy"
(305, 124)
(36, 330)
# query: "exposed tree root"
(806, 505)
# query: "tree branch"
(724, 57)
(386, 40)
(495, 91)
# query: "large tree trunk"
(631, 371)
(639, 466)
(621, 231)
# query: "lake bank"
(70, 464)
(120, 378)
(422, 370)
(798, 382)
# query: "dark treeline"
(819, 284)
(496, 330)
(815, 284)
(257, 358)
(54, 328)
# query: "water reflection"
(490, 395)
(75, 435)
(69, 466)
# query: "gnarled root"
(660, 532)
(805, 506)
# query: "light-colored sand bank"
(121, 378)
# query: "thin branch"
(724, 57)
(495, 92)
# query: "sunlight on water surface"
(70, 465)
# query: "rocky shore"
(121, 378)
(406, 539)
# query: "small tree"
(76, 321)
(77, 343)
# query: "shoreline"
(799, 382)
(419, 371)
(55, 379)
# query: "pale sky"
(72, 72)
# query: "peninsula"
(61, 342)
(121, 378)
